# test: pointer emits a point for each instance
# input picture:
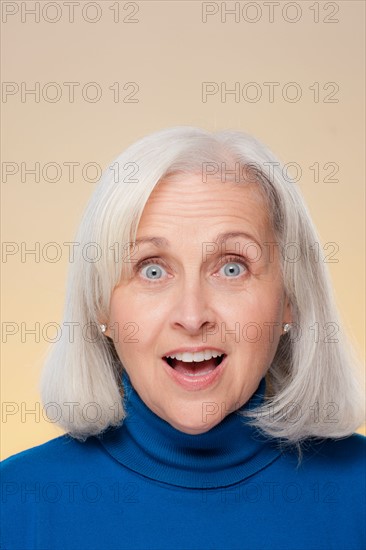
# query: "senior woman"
(202, 413)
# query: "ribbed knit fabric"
(148, 486)
(228, 453)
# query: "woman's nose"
(192, 307)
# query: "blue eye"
(153, 271)
(233, 269)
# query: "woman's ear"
(287, 311)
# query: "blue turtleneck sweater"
(148, 486)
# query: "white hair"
(313, 386)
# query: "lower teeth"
(198, 373)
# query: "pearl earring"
(286, 327)
(103, 327)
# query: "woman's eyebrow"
(162, 242)
(159, 242)
(223, 237)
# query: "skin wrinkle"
(193, 294)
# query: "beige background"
(168, 52)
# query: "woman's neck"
(228, 453)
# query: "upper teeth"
(197, 356)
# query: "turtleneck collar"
(228, 453)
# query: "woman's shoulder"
(350, 449)
(344, 457)
(55, 453)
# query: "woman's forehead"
(191, 206)
(191, 190)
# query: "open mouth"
(194, 368)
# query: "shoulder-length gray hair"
(313, 386)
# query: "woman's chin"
(194, 426)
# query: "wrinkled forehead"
(191, 194)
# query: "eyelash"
(227, 260)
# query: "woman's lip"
(197, 382)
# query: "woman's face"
(200, 288)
